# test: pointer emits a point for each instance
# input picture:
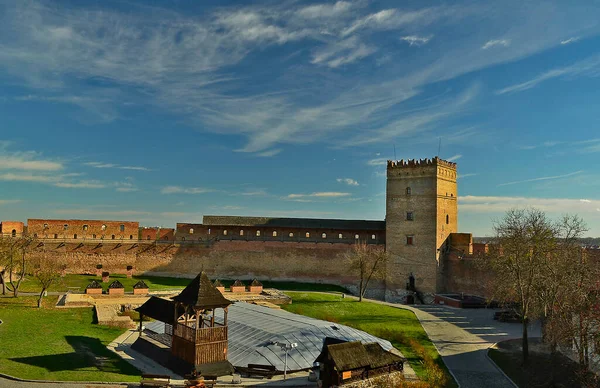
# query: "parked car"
(508, 316)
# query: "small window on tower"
(373, 237)
(65, 226)
(307, 235)
(340, 236)
(122, 227)
(409, 216)
(103, 227)
(410, 240)
(225, 232)
(408, 191)
(208, 230)
(191, 230)
(291, 234)
(85, 227)
(356, 236)
(447, 219)
(324, 235)
(274, 233)
(242, 232)
(258, 233)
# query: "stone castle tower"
(421, 212)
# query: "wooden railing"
(185, 332)
(211, 334)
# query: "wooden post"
(141, 319)
(212, 320)
(225, 317)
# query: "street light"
(286, 347)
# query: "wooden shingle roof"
(355, 355)
(201, 293)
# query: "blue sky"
(164, 111)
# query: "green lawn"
(396, 325)
(57, 344)
(158, 283)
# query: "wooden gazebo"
(197, 337)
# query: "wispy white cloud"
(323, 194)
(112, 165)
(9, 201)
(28, 161)
(414, 40)
(589, 67)
(454, 157)
(570, 40)
(491, 204)
(545, 178)
(269, 153)
(460, 176)
(81, 185)
(184, 190)
(348, 181)
(496, 42)
(343, 52)
(377, 162)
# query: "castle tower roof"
(202, 293)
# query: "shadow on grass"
(88, 354)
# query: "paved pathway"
(463, 336)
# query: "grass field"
(400, 327)
(158, 283)
(57, 344)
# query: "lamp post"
(286, 347)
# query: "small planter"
(255, 287)
(219, 286)
(116, 288)
(94, 288)
(237, 286)
(140, 288)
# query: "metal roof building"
(253, 329)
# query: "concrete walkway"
(463, 336)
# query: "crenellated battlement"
(410, 163)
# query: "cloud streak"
(545, 178)
(348, 181)
(497, 204)
(589, 67)
(184, 190)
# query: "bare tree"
(368, 263)
(16, 253)
(523, 241)
(46, 271)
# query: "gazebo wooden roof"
(201, 293)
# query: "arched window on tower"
(447, 219)
(324, 235)
(14, 233)
(241, 232)
(408, 191)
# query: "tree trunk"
(525, 342)
(39, 302)
(360, 288)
